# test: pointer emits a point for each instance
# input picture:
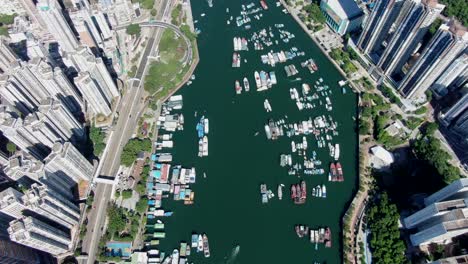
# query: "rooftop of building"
(456, 225)
(453, 204)
(344, 8)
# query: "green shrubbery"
(429, 149)
(97, 136)
(386, 245)
(134, 30)
(132, 148)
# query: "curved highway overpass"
(153, 23)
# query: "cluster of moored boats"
(240, 44)
(299, 193)
(290, 70)
(202, 131)
(267, 194)
(272, 58)
(318, 236)
(165, 180)
(336, 172)
(179, 256)
(311, 96)
(200, 242)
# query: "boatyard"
(280, 167)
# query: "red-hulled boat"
(340, 177)
(293, 192)
(303, 191)
(332, 174)
(328, 242)
(264, 5)
(299, 194)
(238, 87)
(314, 65)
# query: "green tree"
(428, 148)
(140, 188)
(7, 19)
(127, 194)
(97, 136)
(386, 245)
(456, 8)
(132, 148)
(11, 147)
(154, 12)
(175, 15)
(141, 205)
(314, 13)
(117, 219)
(364, 127)
(188, 33)
(430, 128)
(134, 30)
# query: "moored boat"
(263, 80)
(246, 84)
(339, 170)
(258, 82)
(206, 247)
(206, 126)
(263, 4)
(293, 192)
(313, 65)
(332, 175)
(238, 87)
(194, 240)
(303, 191)
(280, 192)
(327, 237)
(205, 146)
(200, 243)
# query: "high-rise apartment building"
(461, 124)
(56, 84)
(21, 136)
(66, 159)
(102, 24)
(93, 94)
(449, 41)
(28, 83)
(377, 26)
(11, 203)
(50, 204)
(84, 61)
(13, 253)
(21, 88)
(58, 116)
(455, 110)
(24, 166)
(7, 56)
(51, 12)
(416, 17)
(84, 25)
(44, 131)
(456, 190)
(36, 234)
(444, 217)
(455, 75)
(42, 201)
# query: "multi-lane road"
(130, 108)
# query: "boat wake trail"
(234, 253)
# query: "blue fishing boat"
(201, 127)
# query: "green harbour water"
(227, 203)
